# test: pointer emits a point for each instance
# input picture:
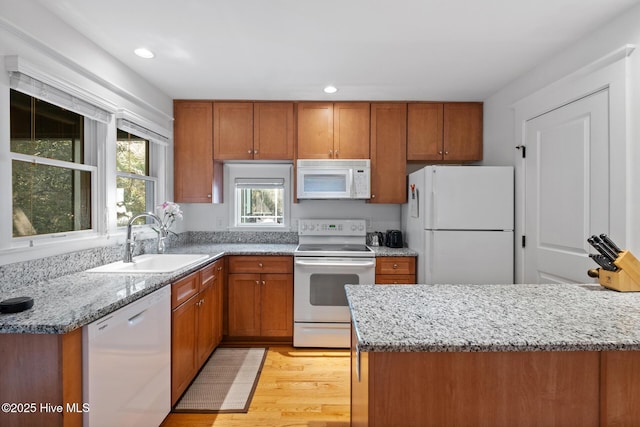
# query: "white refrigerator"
(460, 221)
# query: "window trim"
(152, 156)
(242, 170)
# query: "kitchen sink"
(151, 263)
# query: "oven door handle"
(325, 263)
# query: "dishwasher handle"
(136, 318)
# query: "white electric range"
(330, 254)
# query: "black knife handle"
(607, 241)
(604, 249)
(603, 262)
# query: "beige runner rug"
(226, 382)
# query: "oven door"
(319, 294)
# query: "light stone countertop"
(381, 251)
(71, 301)
(74, 300)
(475, 318)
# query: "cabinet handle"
(257, 282)
(260, 264)
(336, 153)
(439, 152)
(249, 151)
(219, 268)
(373, 196)
(330, 153)
(446, 152)
(395, 266)
(255, 151)
(264, 283)
(208, 196)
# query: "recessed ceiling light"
(144, 53)
(330, 89)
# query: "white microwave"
(334, 179)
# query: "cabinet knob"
(395, 266)
(260, 264)
(249, 152)
(439, 152)
(209, 196)
(330, 153)
(336, 153)
(255, 151)
(257, 282)
(219, 268)
(446, 152)
(264, 283)
(373, 196)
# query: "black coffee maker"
(393, 239)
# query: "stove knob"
(311, 227)
(303, 227)
(360, 227)
(353, 227)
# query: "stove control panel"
(332, 227)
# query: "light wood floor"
(296, 388)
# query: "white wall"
(499, 122)
(33, 33)
(208, 217)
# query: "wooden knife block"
(627, 278)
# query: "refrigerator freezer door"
(469, 198)
(469, 257)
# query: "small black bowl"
(16, 305)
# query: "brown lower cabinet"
(539, 388)
(396, 270)
(260, 296)
(196, 324)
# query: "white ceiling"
(369, 49)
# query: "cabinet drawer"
(207, 275)
(260, 264)
(396, 265)
(395, 279)
(184, 289)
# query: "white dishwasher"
(127, 364)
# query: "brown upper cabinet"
(388, 152)
(253, 130)
(337, 130)
(192, 151)
(444, 131)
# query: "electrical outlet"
(368, 222)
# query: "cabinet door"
(232, 130)
(244, 304)
(273, 130)
(183, 345)
(276, 305)
(315, 130)
(205, 327)
(192, 152)
(424, 131)
(351, 130)
(463, 131)
(388, 152)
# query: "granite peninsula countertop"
(74, 300)
(474, 318)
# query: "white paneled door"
(567, 189)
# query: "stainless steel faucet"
(130, 244)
